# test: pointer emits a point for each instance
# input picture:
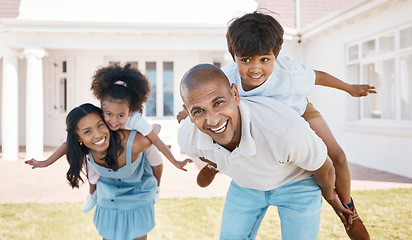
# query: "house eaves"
(27, 26)
(17, 26)
(339, 17)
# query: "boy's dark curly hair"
(254, 34)
(121, 83)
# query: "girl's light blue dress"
(125, 198)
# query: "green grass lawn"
(386, 213)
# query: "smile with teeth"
(256, 77)
(220, 128)
(100, 142)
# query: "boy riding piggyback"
(254, 41)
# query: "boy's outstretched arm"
(60, 152)
(355, 90)
(166, 151)
(325, 178)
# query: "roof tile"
(310, 10)
(9, 8)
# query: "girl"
(126, 186)
(122, 92)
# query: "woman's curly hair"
(121, 83)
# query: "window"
(168, 89)
(406, 86)
(151, 102)
(385, 62)
(368, 49)
(161, 99)
(57, 85)
(160, 102)
(387, 43)
(353, 53)
(406, 37)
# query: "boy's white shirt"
(277, 146)
(138, 123)
(290, 82)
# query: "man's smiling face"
(213, 107)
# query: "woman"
(126, 186)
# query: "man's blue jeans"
(298, 204)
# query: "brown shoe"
(206, 175)
(354, 226)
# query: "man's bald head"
(212, 104)
(200, 74)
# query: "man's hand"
(337, 206)
(325, 178)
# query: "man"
(269, 151)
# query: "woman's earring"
(80, 143)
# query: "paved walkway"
(19, 183)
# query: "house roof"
(145, 16)
(310, 10)
(9, 8)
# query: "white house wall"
(185, 36)
(87, 62)
(378, 147)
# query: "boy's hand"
(181, 115)
(36, 164)
(156, 128)
(336, 204)
(361, 90)
(181, 164)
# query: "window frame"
(141, 65)
(53, 75)
(355, 107)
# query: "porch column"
(34, 103)
(9, 107)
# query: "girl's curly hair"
(121, 83)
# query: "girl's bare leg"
(92, 188)
(157, 172)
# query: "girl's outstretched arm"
(166, 151)
(355, 90)
(58, 153)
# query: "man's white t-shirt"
(276, 147)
